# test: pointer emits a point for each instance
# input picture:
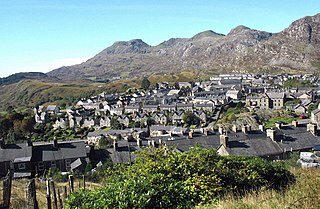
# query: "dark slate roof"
(184, 143)
(13, 151)
(254, 147)
(65, 150)
(122, 155)
(296, 138)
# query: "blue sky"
(41, 35)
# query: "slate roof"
(184, 143)
(13, 151)
(254, 147)
(65, 150)
(296, 138)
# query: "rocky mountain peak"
(306, 29)
(237, 30)
(207, 33)
(132, 46)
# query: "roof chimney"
(244, 129)
(272, 134)
(312, 128)
(205, 131)
(55, 142)
(261, 128)
(190, 134)
(278, 124)
(29, 142)
(2, 143)
(295, 123)
(139, 142)
(220, 130)
(234, 128)
(115, 145)
(224, 140)
(153, 143)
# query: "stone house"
(277, 100)
(234, 94)
(258, 100)
(105, 122)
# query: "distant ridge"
(21, 76)
(295, 49)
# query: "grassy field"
(302, 194)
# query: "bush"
(161, 178)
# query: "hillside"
(294, 49)
(29, 93)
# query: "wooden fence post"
(48, 195)
(84, 182)
(71, 185)
(65, 192)
(7, 184)
(54, 195)
(31, 195)
(60, 200)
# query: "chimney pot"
(224, 140)
(115, 145)
(220, 130)
(278, 124)
(55, 142)
(295, 123)
(2, 144)
(153, 143)
(312, 128)
(244, 129)
(261, 128)
(139, 142)
(272, 134)
(234, 128)
(190, 134)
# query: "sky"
(42, 35)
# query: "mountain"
(295, 49)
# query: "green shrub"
(162, 178)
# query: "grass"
(302, 194)
(18, 196)
(271, 122)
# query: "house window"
(21, 166)
(68, 164)
(53, 164)
(41, 166)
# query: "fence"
(55, 194)
(6, 192)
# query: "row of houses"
(271, 144)
(29, 160)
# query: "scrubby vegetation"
(161, 178)
(303, 194)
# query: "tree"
(115, 124)
(145, 83)
(190, 119)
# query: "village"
(182, 116)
